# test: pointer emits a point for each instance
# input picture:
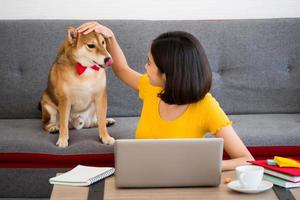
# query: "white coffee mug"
(249, 176)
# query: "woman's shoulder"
(207, 102)
(143, 80)
(145, 87)
(208, 98)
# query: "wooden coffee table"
(112, 193)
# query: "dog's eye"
(103, 42)
(91, 46)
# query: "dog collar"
(80, 68)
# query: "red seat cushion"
(36, 160)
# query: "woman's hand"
(120, 66)
(95, 26)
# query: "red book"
(292, 171)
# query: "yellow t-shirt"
(200, 118)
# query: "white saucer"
(264, 185)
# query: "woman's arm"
(234, 147)
(120, 66)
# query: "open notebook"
(82, 176)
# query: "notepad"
(82, 176)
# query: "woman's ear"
(164, 79)
(72, 35)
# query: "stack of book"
(287, 177)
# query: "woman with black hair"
(175, 91)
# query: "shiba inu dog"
(76, 96)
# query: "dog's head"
(88, 50)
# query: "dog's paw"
(110, 122)
(108, 140)
(52, 128)
(62, 142)
(78, 123)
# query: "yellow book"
(286, 162)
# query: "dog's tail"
(110, 122)
(39, 106)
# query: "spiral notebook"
(82, 176)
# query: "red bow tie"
(80, 68)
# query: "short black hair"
(181, 57)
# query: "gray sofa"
(256, 79)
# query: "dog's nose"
(108, 61)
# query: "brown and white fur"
(72, 100)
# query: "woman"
(175, 91)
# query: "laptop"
(142, 163)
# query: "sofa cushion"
(25, 144)
(255, 63)
(28, 136)
(268, 129)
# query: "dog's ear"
(72, 34)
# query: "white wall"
(148, 9)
